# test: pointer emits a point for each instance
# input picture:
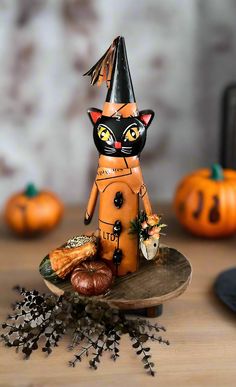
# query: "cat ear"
(146, 117)
(94, 115)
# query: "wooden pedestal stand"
(146, 290)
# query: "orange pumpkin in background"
(205, 202)
(33, 212)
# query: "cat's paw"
(87, 219)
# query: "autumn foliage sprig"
(93, 326)
(146, 226)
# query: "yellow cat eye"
(103, 133)
(132, 134)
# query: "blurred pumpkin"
(91, 278)
(33, 212)
(205, 202)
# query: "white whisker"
(127, 152)
(109, 149)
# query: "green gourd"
(47, 271)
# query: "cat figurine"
(119, 133)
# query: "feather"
(102, 70)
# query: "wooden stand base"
(155, 282)
(153, 311)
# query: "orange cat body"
(118, 174)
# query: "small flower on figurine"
(148, 228)
(144, 225)
(154, 230)
(153, 219)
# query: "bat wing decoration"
(101, 71)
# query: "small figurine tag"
(148, 228)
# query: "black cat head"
(120, 137)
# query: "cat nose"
(118, 145)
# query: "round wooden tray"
(154, 283)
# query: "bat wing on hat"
(101, 71)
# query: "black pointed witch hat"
(121, 87)
(113, 68)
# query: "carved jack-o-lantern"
(205, 202)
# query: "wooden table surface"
(201, 330)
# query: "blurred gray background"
(182, 53)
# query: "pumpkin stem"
(31, 190)
(217, 172)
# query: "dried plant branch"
(92, 325)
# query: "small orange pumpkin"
(33, 212)
(205, 202)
